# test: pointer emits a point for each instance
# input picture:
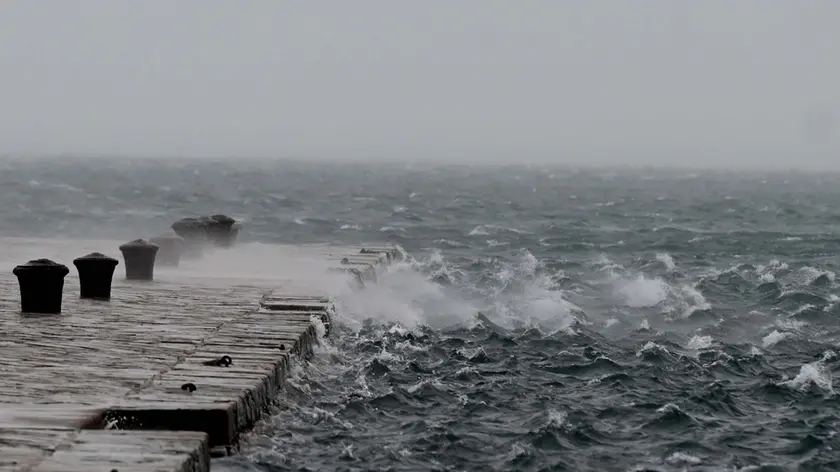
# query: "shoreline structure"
(168, 372)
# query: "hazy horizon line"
(432, 161)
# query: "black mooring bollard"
(220, 229)
(96, 272)
(41, 286)
(139, 258)
(171, 245)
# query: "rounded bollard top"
(96, 257)
(140, 244)
(41, 266)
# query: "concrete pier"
(165, 371)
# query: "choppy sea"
(546, 318)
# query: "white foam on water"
(682, 458)
(651, 346)
(666, 260)
(698, 342)
(812, 273)
(771, 339)
(640, 291)
(404, 296)
(814, 373)
(557, 419)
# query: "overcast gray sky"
(643, 81)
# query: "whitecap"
(773, 338)
(815, 373)
(682, 458)
(666, 260)
(698, 342)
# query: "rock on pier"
(159, 375)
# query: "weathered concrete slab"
(291, 309)
(64, 416)
(392, 252)
(377, 261)
(129, 451)
(379, 257)
(28, 434)
(367, 270)
(47, 438)
(21, 448)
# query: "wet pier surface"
(160, 375)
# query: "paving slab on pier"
(129, 451)
(47, 438)
(177, 367)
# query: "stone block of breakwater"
(191, 228)
(379, 257)
(139, 256)
(96, 273)
(128, 451)
(69, 437)
(221, 231)
(392, 253)
(194, 233)
(41, 284)
(288, 303)
(365, 268)
(171, 246)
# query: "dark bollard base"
(35, 297)
(41, 286)
(96, 299)
(96, 273)
(139, 278)
(96, 294)
(142, 269)
(139, 258)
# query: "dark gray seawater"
(633, 320)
